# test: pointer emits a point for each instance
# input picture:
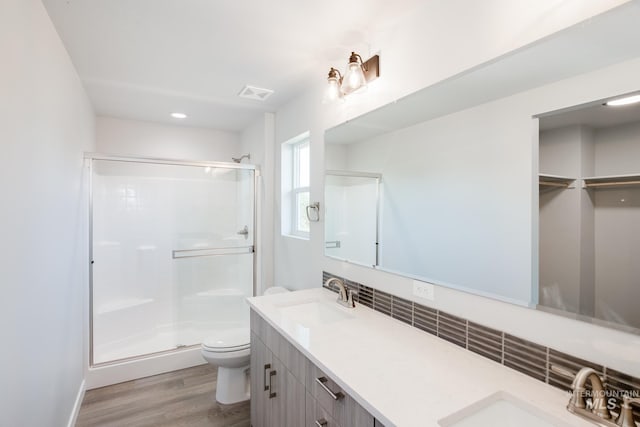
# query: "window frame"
(292, 188)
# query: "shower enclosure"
(352, 205)
(172, 253)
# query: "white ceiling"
(143, 59)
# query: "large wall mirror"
(469, 184)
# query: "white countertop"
(403, 376)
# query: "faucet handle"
(626, 412)
(350, 301)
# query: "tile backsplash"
(537, 361)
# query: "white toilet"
(229, 350)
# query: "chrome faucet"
(345, 297)
(577, 404)
(598, 410)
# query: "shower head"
(239, 159)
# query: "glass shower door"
(170, 243)
(213, 259)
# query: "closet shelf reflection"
(612, 181)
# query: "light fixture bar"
(371, 68)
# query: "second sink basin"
(309, 313)
(501, 410)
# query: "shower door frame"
(90, 157)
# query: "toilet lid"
(228, 339)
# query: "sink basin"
(501, 409)
(309, 313)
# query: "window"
(295, 186)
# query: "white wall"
(146, 139)
(46, 122)
(257, 140)
(301, 263)
(295, 267)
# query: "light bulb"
(624, 101)
(332, 92)
(354, 76)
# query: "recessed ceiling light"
(624, 101)
(179, 115)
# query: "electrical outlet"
(424, 290)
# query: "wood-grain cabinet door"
(261, 364)
(288, 406)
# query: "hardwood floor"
(180, 398)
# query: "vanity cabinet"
(277, 397)
(288, 390)
(335, 404)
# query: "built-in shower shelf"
(122, 305)
(224, 292)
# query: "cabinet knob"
(321, 422)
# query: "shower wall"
(169, 264)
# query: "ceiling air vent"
(257, 93)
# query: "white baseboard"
(73, 417)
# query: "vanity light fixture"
(179, 115)
(359, 73)
(623, 101)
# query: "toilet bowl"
(229, 350)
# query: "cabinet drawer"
(316, 415)
(339, 405)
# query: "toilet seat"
(227, 340)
